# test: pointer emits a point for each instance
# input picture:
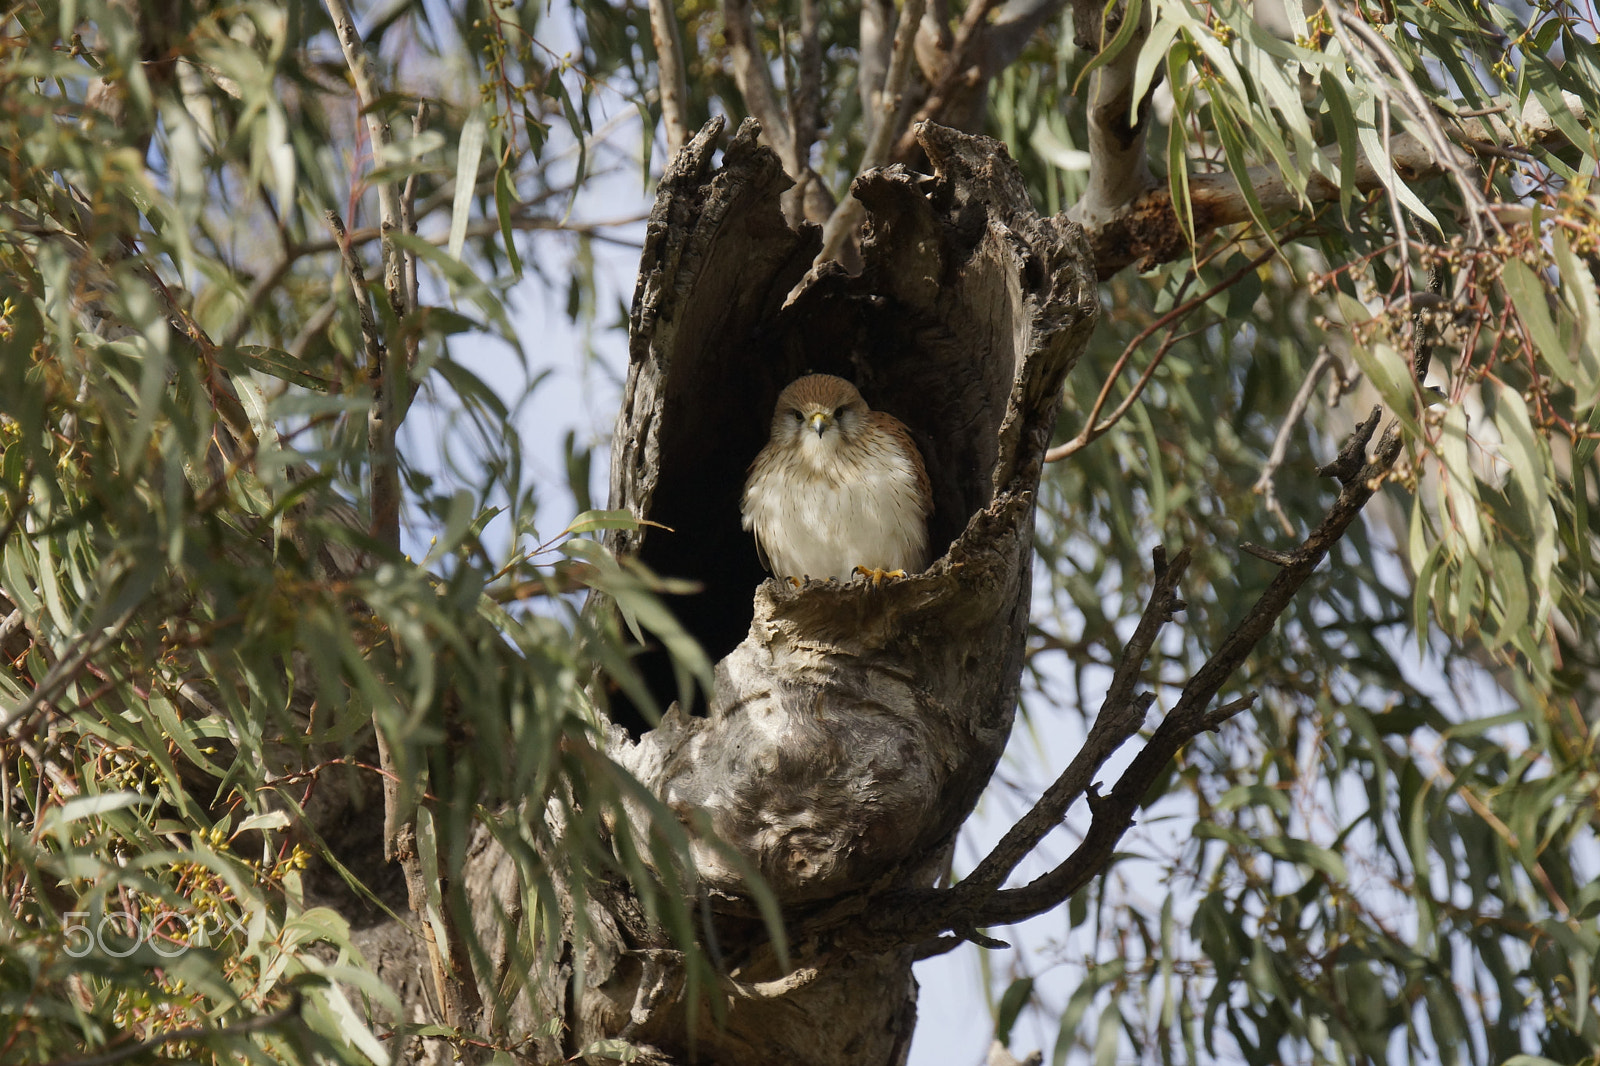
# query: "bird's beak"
(819, 421)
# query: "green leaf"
(1012, 1001)
(505, 198)
(274, 362)
(613, 1049)
(468, 153)
(1387, 369)
(1528, 296)
(589, 521)
(1131, 13)
(1344, 124)
(80, 807)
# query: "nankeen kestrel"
(838, 488)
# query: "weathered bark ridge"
(852, 728)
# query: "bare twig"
(846, 218)
(1264, 487)
(486, 228)
(1093, 429)
(670, 74)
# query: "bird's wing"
(897, 429)
(761, 553)
(748, 520)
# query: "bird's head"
(817, 415)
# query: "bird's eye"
(838, 413)
(798, 417)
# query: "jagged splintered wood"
(851, 729)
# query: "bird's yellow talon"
(876, 576)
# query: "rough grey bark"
(851, 728)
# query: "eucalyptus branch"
(87, 644)
(809, 199)
(1147, 231)
(17, 501)
(1121, 714)
(367, 94)
(1118, 169)
(958, 72)
(805, 103)
(959, 66)
(1359, 478)
(670, 74)
(846, 218)
(921, 914)
(453, 977)
(1190, 716)
(1416, 107)
(754, 78)
(877, 47)
(385, 519)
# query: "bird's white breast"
(867, 514)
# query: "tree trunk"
(851, 728)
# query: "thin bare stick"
(1092, 430)
(846, 218)
(1264, 487)
(670, 74)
